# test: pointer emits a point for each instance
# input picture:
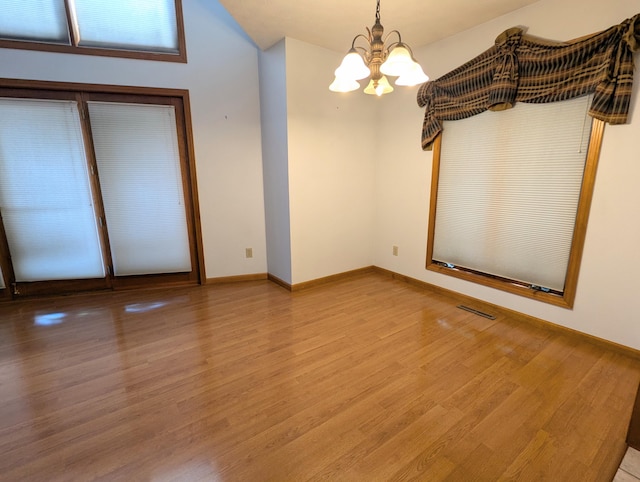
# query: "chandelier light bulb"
(398, 63)
(340, 84)
(379, 87)
(414, 76)
(353, 67)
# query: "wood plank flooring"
(364, 379)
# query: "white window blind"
(509, 185)
(136, 149)
(148, 25)
(39, 20)
(2, 284)
(45, 195)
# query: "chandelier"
(379, 59)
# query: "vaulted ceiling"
(334, 23)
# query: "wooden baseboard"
(491, 308)
(321, 281)
(279, 282)
(332, 279)
(238, 278)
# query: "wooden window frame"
(564, 299)
(74, 48)
(178, 98)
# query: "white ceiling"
(334, 23)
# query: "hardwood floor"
(368, 378)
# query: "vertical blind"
(138, 161)
(45, 194)
(508, 191)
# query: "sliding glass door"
(92, 193)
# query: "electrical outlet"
(395, 251)
(248, 253)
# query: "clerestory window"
(137, 29)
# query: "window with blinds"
(508, 188)
(138, 29)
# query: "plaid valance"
(522, 68)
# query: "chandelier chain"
(378, 11)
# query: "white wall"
(275, 159)
(332, 154)
(606, 301)
(222, 77)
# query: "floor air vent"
(477, 312)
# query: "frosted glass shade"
(340, 84)
(383, 87)
(398, 63)
(414, 76)
(353, 67)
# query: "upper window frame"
(44, 46)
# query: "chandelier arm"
(364, 52)
(369, 36)
(366, 39)
(393, 44)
